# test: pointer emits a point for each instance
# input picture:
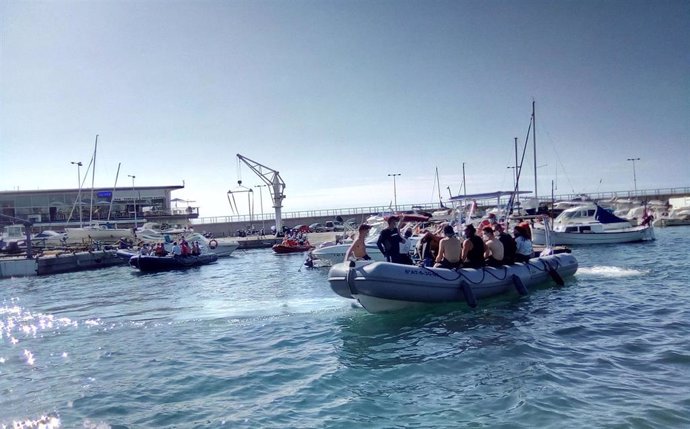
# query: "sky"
(337, 95)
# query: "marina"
(259, 340)
(342, 214)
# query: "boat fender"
(554, 274)
(470, 299)
(519, 285)
(212, 244)
(350, 278)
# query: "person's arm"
(379, 244)
(350, 250)
(466, 247)
(441, 250)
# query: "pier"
(227, 226)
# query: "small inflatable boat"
(384, 286)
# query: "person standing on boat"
(493, 250)
(523, 244)
(472, 249)
(389, 241)
(406, 247)
(449, 250)
(358, 248)
(509, 246)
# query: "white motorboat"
(384, 286)
(222, 247)
(590, 224)
(678, 215)
(103, 232)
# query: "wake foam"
(610, 272)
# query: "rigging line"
(558, 158)
(518, 173)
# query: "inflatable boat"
(384, 286)
(151, 263)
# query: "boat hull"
(331, 255)
(383, 286)
(623, 235)
(166, 263)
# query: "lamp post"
(79, 164)
(261, 204)
(395, 191)
(134, 197)
(634, 174)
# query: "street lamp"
(514, 175)
(78, 164)
(634, 174)
(134, 197)
(395, 191)
(261, 202)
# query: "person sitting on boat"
(145, 250)
(526, 230)
(123, 243)
(160, 250)
(176, 249)
(449, 250)
(493, 249)
(427, 247)
(405, 248)
(185, 250)
(472, 249)
(389, 241)
(358, 249)
(508, 245)
(523, 244)
(196, 250)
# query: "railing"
(361, 211)
(342, 212)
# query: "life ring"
(212, 244)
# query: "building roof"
(119, 188)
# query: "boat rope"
(461, 275)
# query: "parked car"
(334, 226)
(300, 228)
(317, 227)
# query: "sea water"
(257, 340)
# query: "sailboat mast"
(464, 183)
(517, 176)
(93, 176)
(438, 182)
(534, 146)
(112, 195)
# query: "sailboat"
(95, 231)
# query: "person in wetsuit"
(389, 241)
(472, 249)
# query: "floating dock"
(58, 262)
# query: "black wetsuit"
(509, 248)
(475, 257)
(389, 244)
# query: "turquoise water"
(257, 341)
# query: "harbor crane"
(275, 185)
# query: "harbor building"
(122, 206)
